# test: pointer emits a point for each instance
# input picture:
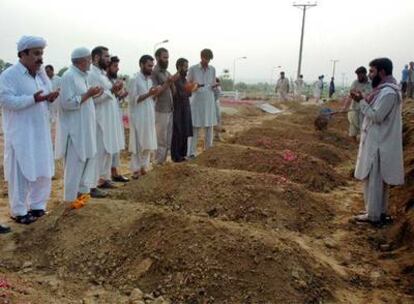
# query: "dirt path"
(216, 230)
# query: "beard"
(147, 72)
(102, 64)
(376, 80)
(112, 75)
(163, 64)
(183, 73)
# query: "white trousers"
(375, 192)
(208, 141)
(104, 159)
(218, 113)
(164, 127)
(140, 160)
(283, 96)
(116, 160)
(79, 175)
(24, 194)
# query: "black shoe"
(107, 185)
(4, 229)
(386, 219)
(37, 212)
(120, 179)
(96, 193)
(24, 219)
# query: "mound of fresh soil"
(277, 139)
(301, 168)
(191, 259)
(264, 199)
(402, 198)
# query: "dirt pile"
(402, 198)
(263, 199)
(283, 139)
(189, 258)
(298, 167)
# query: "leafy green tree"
(62, 71)
(4, 65)
(225, 81)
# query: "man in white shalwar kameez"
(355, 116)
(299, 87)
(282, 87)
(76, 130)
(380, 155)
(28, 154)
(55, 80)
(203, 103)
(318, 89)
(112, 73)
(108, 124)
(142, 132)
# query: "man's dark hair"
(19, 54)
(180, 62)
(159, 51)
(382, 64)
(207, 53)
(98, 51)
(49, 66)
(115, 59)
(301, 76)
(361, 70)
(145, 58)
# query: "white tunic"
(121, 114)
(75, 119)
(107, 111)
(299, 86)
(203, 102)
(317, 88)
(142, 131)
(53, 107)
(26, 123)
(381, 135)
(282, 86)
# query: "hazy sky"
(266, 31)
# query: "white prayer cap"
(80, 52)
(30, 42)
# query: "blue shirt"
(404, 75)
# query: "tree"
(4, 65)
(62, 71)
(241, 86)
(225, 81)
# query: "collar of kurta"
(76, 69)
(200, 66)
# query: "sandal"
(107, 185)
(85, 197)
(77, 204)
(4, 229)
(24, 219)
(135, 175)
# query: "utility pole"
(334, 61)
(303, 7)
